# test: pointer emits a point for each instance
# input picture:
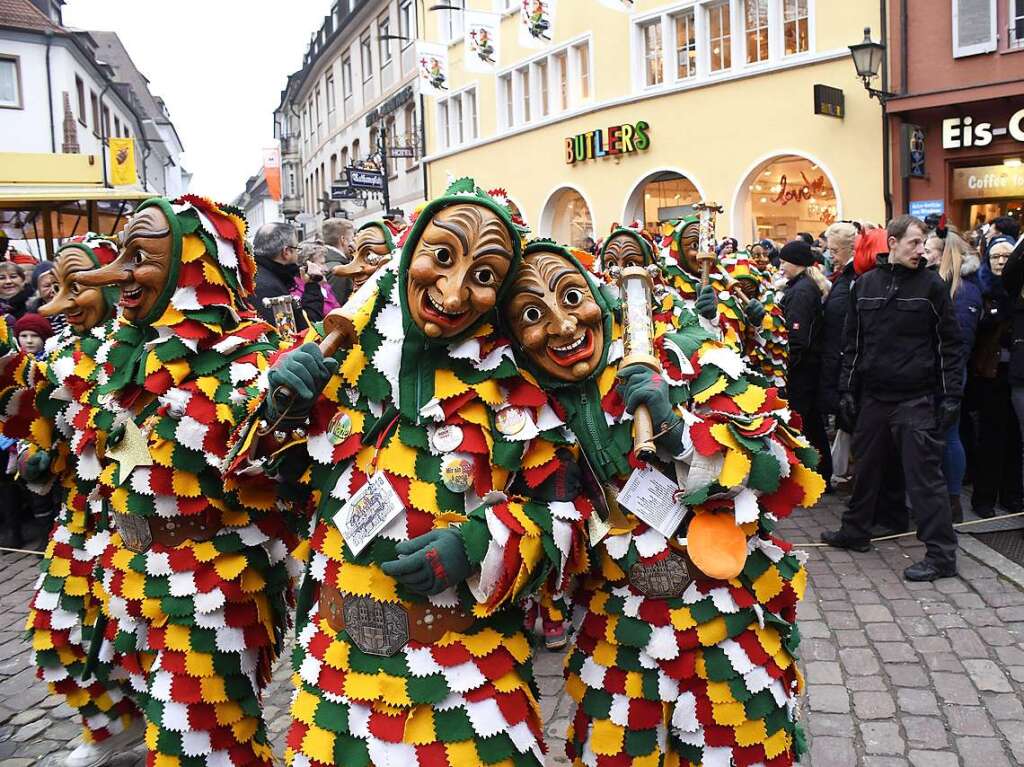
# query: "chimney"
(70, 145)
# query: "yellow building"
(636, 112)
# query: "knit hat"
(37, 323)
(797, 252)
(40, 269)
(1000, 238)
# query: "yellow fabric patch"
(723, 436)
(192, 248)
(479, 645)
(575, 687)
(605, 654)
(318, 744)
(419, 728)
(204, 551)
(161, 450)
(463, 752)
(199, 664)
(769, 639)
(712, 632)
(719, 692)
(728, 714)
(768, 585)
(336, 655)
(41, 640)
(252, 582)
(230, 566)
(448, 385)
(490, 392)
(812, 482)
(538, 453)
(211, 689)
(400, 459)
(352, 366)
(60, 568)
(682, 619)
(177, 638)
(799, 583)
(304, 706)
(751, 732)
(735, 468)
(716, 388)
(776, 744)
(186, 484)
(606, 738)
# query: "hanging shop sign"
(360, 178)
(962, 132)
(389, 106)
(607, 142)
(913, 155)
(399, 152)
(988, 181)
(343, 192)
(829, 101)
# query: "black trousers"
(904, 433)
(805, 402)
(997, 474)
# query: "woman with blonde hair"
(957, 265)
(840, 238)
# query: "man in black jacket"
(276, 249)
(901, 382)
(801, 305)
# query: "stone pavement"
(929, 675)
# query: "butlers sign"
(616, 140)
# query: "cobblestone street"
(929, 675)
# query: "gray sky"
(220, 65)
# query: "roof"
(21, 14)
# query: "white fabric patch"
(684, 713)
(745, 506)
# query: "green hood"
(111, 294)
(645, 246)
(164, 300)
(388, 238)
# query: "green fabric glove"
(34, 467)
(305, 371)
(430, 563)
(707, 302)
(755, 312)
(643, 386)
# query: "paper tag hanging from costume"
(370, 509)
(650, 495)
(131, 451)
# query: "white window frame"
(407, 29)
(346, 85)
(464, 130)
(384, 46)
(506, 102)
(659, 23)
(781, 38)
(452, 23)
(506, 6)
(576, 95)
(1013, 42)
(366, 47)
(960, 51)
(706, 9)
(690, 11)
(19, 93)
(767, 28)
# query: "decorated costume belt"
(140, 533)
(383, 628)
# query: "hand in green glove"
(34, 467)
(707, 302)
(431, 562)
(643, 386)
(305, 371)
(755, 312)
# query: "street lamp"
(868, 58)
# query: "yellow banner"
(122, 161)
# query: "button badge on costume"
(510, 421)
(339, 428)
(457, 472)
(446, 438)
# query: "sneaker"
(985, 512)
(837, 539)
(556, 638)
(928, 571)
(97, 754)
(956, 508)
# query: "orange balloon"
(716, 545)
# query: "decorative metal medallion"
(510, 421)
(339, 428)
(664, 579)
(134, 530)
(377, 628)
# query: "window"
(456, 117)
(541, 75)
(442, 123)
(469, 109)
(366, 55)
(355, 151)
(80, 92)
(686, 45)
(974, 27)
(411, 137)
(455, 121)
(346, 85)
(94, 106)
(106, 121)
(719, 37)
(383, 33)
(506, 99)
(319, 119)
(407, 29)
(524, 93)
(1016, 39)
(329, 91)
(117, 126)
(582, 52)
(794, 26)
(10, 83)
(755, 27)
(452, 21)
(390, 140)
(654, 68)
(562, 80)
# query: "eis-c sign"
(960, 132)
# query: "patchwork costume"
(767, 344)
(194, 570)
(446, 438)
(671, 665)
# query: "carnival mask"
(143, 267)
(759, 256)
(555, 318)
(372, 252)
(688, 248)
(457, 268)
(84, 307)
(749, 287)
(621, 251)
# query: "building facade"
(957, 116)
(49, 73)
(357, 82)
(633, 111)
(257, 203)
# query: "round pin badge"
(724, 295)
(457, 472)
(510, 421)
(446, 438)
(339, 428)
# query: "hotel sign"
(961, 132)
(616, 140)
(988, 181)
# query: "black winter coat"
(833, 337)
(1013, 282)
(902, 336)
(275, 279)
(801, 305)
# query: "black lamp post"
(869, 59)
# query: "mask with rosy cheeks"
(555, 318)
(142, 270)
(457, 268)
(84, 308)
(372, 252)
(759, 257)
(620, 251)
(686, 242)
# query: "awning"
(29, 196)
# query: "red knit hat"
(37, 323)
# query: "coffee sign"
(988, 181)
(961, 132)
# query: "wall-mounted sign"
(803, 192)
(398, 152)
(923, 208)
(389, 106)
(359, 178)
(343, 192)
(618, 139)
(829, 101)
(961, 132)
(913, 158)
(988, 181)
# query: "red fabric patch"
(388, 728)
(186, 689)
(433, 754)
(703, 442)
(521, 393)
(331, 680)
(451, 655)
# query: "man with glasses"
(276, 248)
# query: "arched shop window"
(782, 196)
(660, 197)
(567, 218)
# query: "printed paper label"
(367, 512)
(650, 495)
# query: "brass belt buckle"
(134, 530)
(376, 627)
(665, 579)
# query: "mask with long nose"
(457, 268)
(555, 318)
(373, 250)
(143, 269)
(83, 307)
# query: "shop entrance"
(566, 218)
(659, 197)
(985, 192)
(783, 196)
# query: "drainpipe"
(49, 89)
(103, 135)
(886, 132)
(904, 87)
